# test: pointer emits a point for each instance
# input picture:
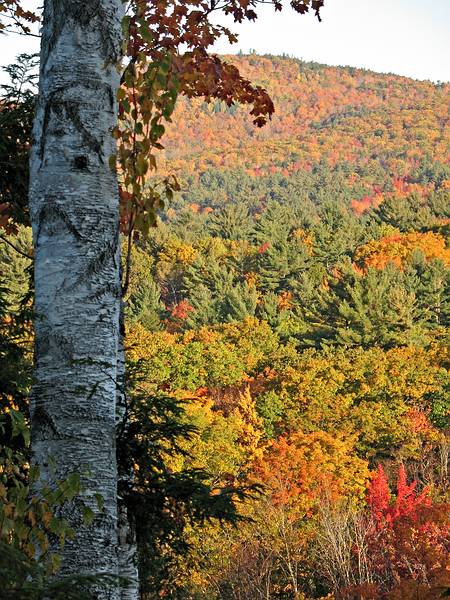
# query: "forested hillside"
(297, 296)
(321, 113)
(287, 335)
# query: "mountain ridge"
(323, 113)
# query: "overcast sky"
(407, 37)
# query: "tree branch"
(2, 237)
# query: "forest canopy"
(287, 331)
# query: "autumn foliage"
(398, 248)
(291, 309)
(407, 539)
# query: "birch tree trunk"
(74, 211)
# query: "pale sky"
(407, 37)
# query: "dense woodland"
(287, 334)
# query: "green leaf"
(18, 425)
(126, 26)
(141, 165)
(157, 131)
(100, 501)
(113, 162)
(125, 105)
(88, 515)
(145, 32)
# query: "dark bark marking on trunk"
(43, 425)
(105, 290)
(56, 104)
(51, 215)
(80, 163)
(72, 111)
(98, 263)
(55, 344)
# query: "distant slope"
(392, 131)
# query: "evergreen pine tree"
(232, 222)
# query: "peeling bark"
(74, 209)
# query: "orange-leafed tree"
(398, 248)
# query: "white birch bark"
(74, 212)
